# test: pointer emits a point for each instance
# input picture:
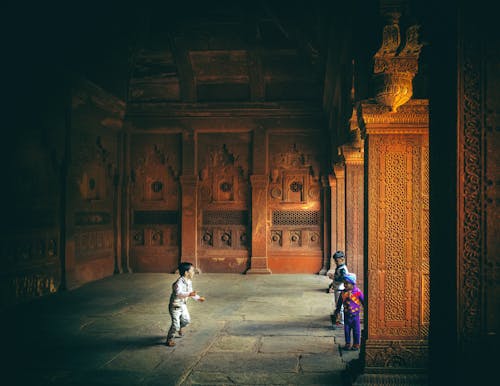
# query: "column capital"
(325, 181)
(353, 155)
(332, 180)
(339, 170)
(411, 118)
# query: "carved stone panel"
(396, 236)
(94, 167)
(223, 164)
(155, 169)
(294, 239)
(155, 202)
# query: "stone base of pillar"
(258, 266)
(323, 271)
(391, 379)
(259, 271)
(399, 355)
(383, 362)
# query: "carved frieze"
(224, 229)
(89, 244)
(398, 354)
(413, 117)
(155, 236)
(92, 218)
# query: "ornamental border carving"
(397, 354)
(470, 272)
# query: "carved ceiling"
(229, 52)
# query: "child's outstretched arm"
(196, 297)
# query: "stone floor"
(252, 330)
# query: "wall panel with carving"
(91, 196)
(155, 200)
(29, 240)
(224, 165)
(400, 225)
(294, 202)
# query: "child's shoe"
(170, 343)
(355, 347)
(181, 333)
(347, 347)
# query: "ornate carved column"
(397, 254)
(325, 186)
(337, 189)
(258, 261)
(125, 204)
(338, 243)
(189, 235)
(333, 217)
(189, 204)
(260, 182)
(354, 195)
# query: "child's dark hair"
(184, 267)
(339, 255)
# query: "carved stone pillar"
(338, 242)
(258, 261)
(354, 195)
(325, 186)
(189, 204)
(397, 254)
(333, 217)
(189, 240)
(126, 217)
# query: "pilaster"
(338, 241)
(189, 208)
(354, 196)
(189, 203)
(258, 260)
(325, 197)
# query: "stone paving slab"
(236, 343)
(296, 344)
(247, 362)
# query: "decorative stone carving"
(93, 166)
(397, 241)
(224, 175)
(155, 175)
(395, 67)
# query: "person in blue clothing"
(182, 290)
(353, 300)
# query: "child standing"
(337, 284)
(182, 289)
(352, 299)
